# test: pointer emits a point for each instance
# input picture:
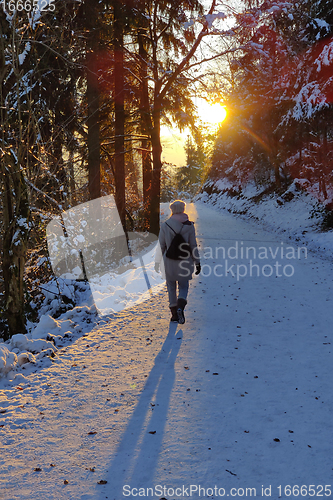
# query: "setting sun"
(211, 114)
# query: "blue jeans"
(172, 290)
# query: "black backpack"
(178, 249)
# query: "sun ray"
(211, 114)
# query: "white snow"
(114, 293)
(210, 18)
(325, 56)
(21, 57)
(297, 220)
(7, 360)
(322, 24)
(107, 294)
(43, 339)
(238, 397)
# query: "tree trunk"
(94, 167)
(277, 174)
(119, 82)
(323, 161)
(146, 127)
(16, 214)
(146, 173)
(72, 186)
(61, 195)
(15, 202)
(94, 175)
(156, 177)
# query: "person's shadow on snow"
(137, 455)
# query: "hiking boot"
(181, 303)
(174, 317)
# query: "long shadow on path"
(137, 455)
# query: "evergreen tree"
(189, 177)
(36, 107)
(281, 98)
(171, 44)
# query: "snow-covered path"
(238, 397)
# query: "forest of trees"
(280, 123)
(86, 86)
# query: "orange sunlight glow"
(211, 114)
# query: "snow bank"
(296, 215)
(33, 347)
(60, 323)
(7, 360)
(113, 293)
(37, 347)
(48, 325)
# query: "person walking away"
(177, 271)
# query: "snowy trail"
(238, 397)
